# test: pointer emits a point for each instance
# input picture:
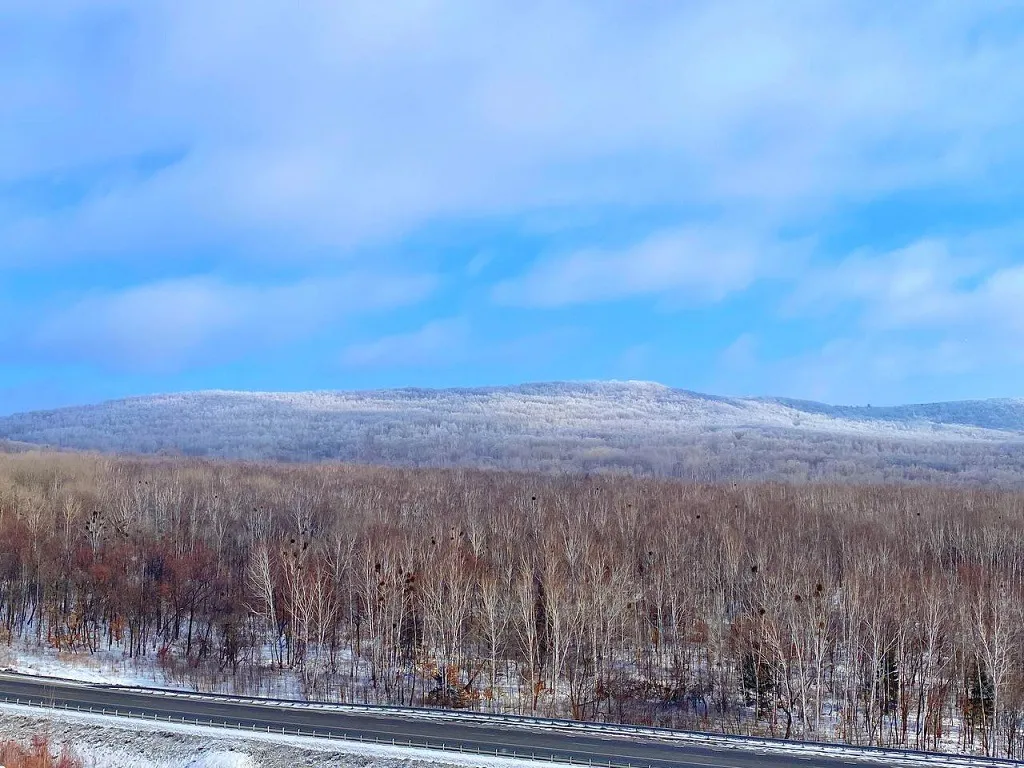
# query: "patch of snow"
(104, 666)
(222, 760)
(108, 742)
(112, 666)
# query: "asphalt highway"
(449, 733)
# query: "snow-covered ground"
(481, 423)
(104, 666)
(106, 742)
(113, 667)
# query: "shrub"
(38, 754)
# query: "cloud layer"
(179, 178)
(167, 325)
(700, 265)
(354, 121)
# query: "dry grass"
(37, 754)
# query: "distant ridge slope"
(592, 426)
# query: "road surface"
(523, 740)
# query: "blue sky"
(809, 199)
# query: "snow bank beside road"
(112, 666)
(106, 742)
(108, 666)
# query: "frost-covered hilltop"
(634, 426)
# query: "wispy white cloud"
(476, 265)
(934, 309)
(453, 340)
(890, 369)
(969, 285)
(362, 120)
(741, 354)
(701, 264)
(439, 342)
(165, 325)
(637, 358)
(288, 135)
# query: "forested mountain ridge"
(633, 426)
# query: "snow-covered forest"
(635, 427)
(870, 615)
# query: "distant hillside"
(632, 426)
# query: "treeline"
(871, 615)
(640, 429)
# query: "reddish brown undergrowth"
(38, 754)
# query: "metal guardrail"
(333, 735)
(707, 738)
(710, 739)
